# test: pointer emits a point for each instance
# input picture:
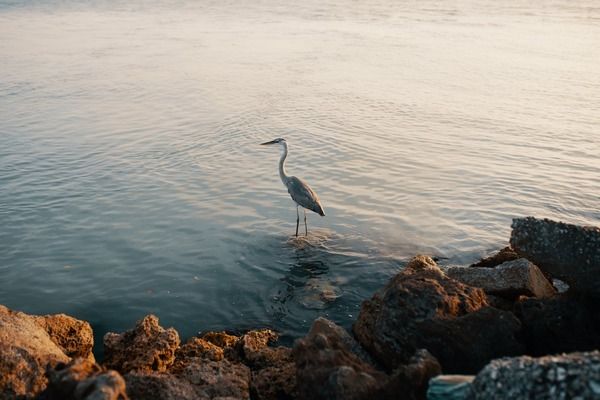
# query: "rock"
(73, 336)
(215, 379)
(82, 379)
(567, 376)
(327, 369)
(147, 347)
(510, 279)
(568, 252)
(412, 379)
(450, 387)
(504, 255)
(252, 345)
(421, 307)
(274, 383)
(558, 325)
(25, 351)
(198, 347)
(159, 386)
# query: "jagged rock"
(73, 336)
(252, 346)
(504, 255)
(82, 379)
(198, 347)
(227, 342)
(327, 369)
(218, 378)
(567, 376)
(25, 350)
(421, 307)
(147, 347)
(274, 383)
(412, 379)
(159, 386)
(510, 279)
(558, 325)
(568, 252)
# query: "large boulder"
(567, 376)
(510, 279)
(558, 325)
(421, 307)
(83, 379)
(147, 347)
(568, 252)
(25, 351)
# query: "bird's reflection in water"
(307, 282)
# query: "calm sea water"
(131, 180)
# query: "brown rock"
(221, 339)
(160, 386)
(147, 347)
(558, 325)
(198, 347)
(504, 255)
(413, 378)
(25, 350)
(510, 279)
(75, 337)
(215, 379)
(327, 369)
(253, 347)
(421, 307)
(82, 379)
(274, 383)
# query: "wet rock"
(421, 307)
(82, 379)
(510, 279)
(568, 252)
(147, 347)
(327, 369)
(450, 387)
(73, 336)
(25, 351)
(504, 255)
(567, 376)
(557, 325)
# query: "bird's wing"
(302, 194)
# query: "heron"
(301, 193)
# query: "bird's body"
(301, 193)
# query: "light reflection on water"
(131, 180)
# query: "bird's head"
(274, 141)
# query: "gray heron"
(301, 193)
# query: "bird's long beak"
(271, 142)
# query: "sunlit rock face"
(568, 252)
(28, 344)
(421, 307)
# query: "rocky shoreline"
(500, 324)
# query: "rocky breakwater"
(486, 319)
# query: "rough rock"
(510, 279)
(147, 347)
(198, 347)
(25, 351)
(413, 378)
(504, 255)
(73, 336)
(159, 386)
(568, 376)
(82, 379)
(421, 307)
(253, 346)
(558, 325)
(568, 252)
(277, 382)
(327, 368)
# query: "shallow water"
(131, 180)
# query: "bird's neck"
(284, 153)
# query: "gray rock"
(510, 279)
(568, 252)
(567, 376)
(450, 387)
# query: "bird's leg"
(297, 220)
(305, 226)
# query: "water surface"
(131, 180)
